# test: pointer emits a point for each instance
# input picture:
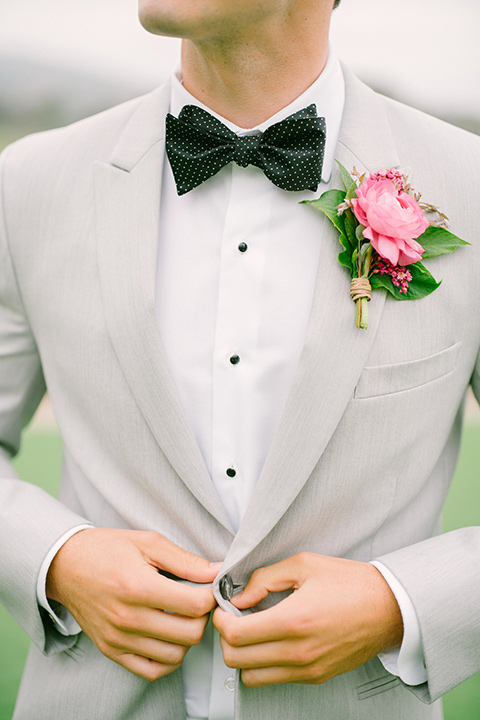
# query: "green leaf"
(345, 259)
(422, 283)
(351, 224)
(438, 241)
(347, 179)
(328, 203)
(352, 191)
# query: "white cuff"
(64, 621)
(407, 661)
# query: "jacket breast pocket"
(388, 379)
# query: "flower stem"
(362, 303)
(362, 313)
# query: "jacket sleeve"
(30, 519)
(442, 577)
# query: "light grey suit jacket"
(366, 447)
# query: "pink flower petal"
(385, 246)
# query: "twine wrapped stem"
(360, 288)
(361, 294)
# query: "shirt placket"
(242, 261)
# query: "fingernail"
(216, 565)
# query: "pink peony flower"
(392, 220)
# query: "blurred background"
(61, 61)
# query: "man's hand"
(109, 581)
(341, 614)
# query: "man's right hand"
(109, 580)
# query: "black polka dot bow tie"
(290, 152)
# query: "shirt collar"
(327, 92)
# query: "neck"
(247, 80)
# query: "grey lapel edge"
(127, 206)
(316, 403)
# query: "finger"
(284, 575)
(159, 625)
(261, 677)
(168, 556)
(276, 623)
(282, 653)
(143, 667)
(156, 650)
(174, 597)
(154, 591)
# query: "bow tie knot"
(246, 150)
(290, 152)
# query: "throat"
(249, 88)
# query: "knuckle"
(108, 640)
(181, 654)
(121, 618)
(302, 559)
(292, 625)
(232, 635)
(106, 645)
(127, 587)
(200, 605)
(303, 656)
(149, 540)
(228, 657)
(248, 678)
(176, 655)
(299, 624)
(149, 670)
(153, 672)
(313, 675)
(256, 576)
(151, 537)
(196, 633)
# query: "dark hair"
(336, 4)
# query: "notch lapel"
(335, 351)
(127, 191)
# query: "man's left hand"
(341, 614)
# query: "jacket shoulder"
(425, 133)
(87, 140)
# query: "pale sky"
(426, 51)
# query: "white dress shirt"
(234, 288)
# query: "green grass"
(40, 462)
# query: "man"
(224, 422)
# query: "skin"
(109, 581)
(341, 614)
(245, 59)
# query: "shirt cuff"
(408, 661)
(63, 620)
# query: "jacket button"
(226, 587)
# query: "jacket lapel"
(335, 351)
(127, 191)
(127, 196)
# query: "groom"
(224, 421)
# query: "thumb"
(181, 563)
(283, 575)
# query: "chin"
(155, 17)
(167, 17)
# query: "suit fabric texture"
(364, 454)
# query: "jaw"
(215, 21)
(245, 59)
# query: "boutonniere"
(385, 231)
